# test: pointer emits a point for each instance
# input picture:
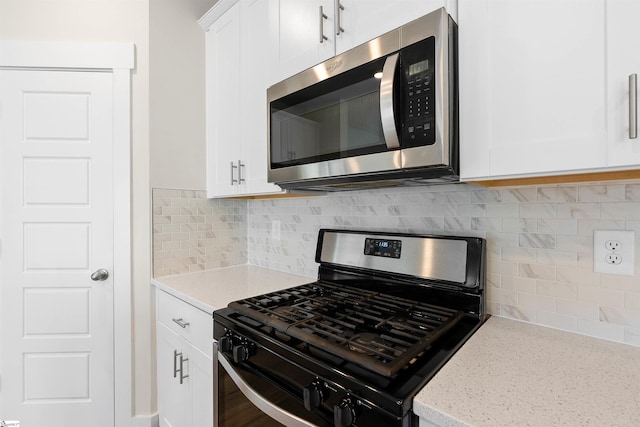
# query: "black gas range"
(354, 347)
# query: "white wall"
(177, 94)
(109, 21)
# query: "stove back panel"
(446, 259)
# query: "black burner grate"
(380, 332)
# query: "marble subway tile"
(601, 296)
(629, 211)
(563, 194)
(601, 193)
(586, 226)
(515, 225)
(557, 257)
(557, 320)
(557, 226)
(577, 309)
(557, 289)
(536, 240)
(620, 316)
(579, 210)
(596, 328)
(538, 210)
(520, 195)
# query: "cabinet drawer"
(197, 325)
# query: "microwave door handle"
(386, 102)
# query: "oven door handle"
(260, 402)
(387, 116)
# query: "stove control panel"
(240, 349)
(382, 247)
(346, 412)
(314, 394)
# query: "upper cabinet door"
(623, 52)
(532, 87)
(223, 104)
(256, 61)
(305, 35)
(359, 21)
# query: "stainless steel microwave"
(383, 113)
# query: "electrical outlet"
(275, 229)
(613, 245)
(613, 258)
(613, 252)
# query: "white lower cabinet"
(185, 364)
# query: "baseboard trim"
(145, 421)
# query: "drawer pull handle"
(180, 322)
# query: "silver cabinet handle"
(633, 106)
(322, 18)
(339, 7)
(100, 275)
(233, 180)
(240, 167)
(386, 102)
(175, 362)
(181, 322)
(182, 376)
(175, 366)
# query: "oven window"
(234, 409)
(336, 118)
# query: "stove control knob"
(345, 412)
(240, 353)
(226, 344)
(314, 394)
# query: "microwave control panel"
(418, 65)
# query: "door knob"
(100, 275)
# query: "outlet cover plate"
(626, 241)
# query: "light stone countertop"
(512, 373)
(508, 373)
(213, 289)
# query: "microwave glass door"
(336, 118)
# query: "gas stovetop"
(380, 332)
(387, 311)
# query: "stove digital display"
(382, 247)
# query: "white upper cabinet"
(623, 55)
(239, 57)
(223, 104)
(359, 21)
(532, 91)
(309, 32)
(255, 60)
(544, 86)
(303, 34)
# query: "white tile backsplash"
(539, 241)
(192, 233)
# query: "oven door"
(242, 398)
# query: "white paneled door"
(56, 159)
